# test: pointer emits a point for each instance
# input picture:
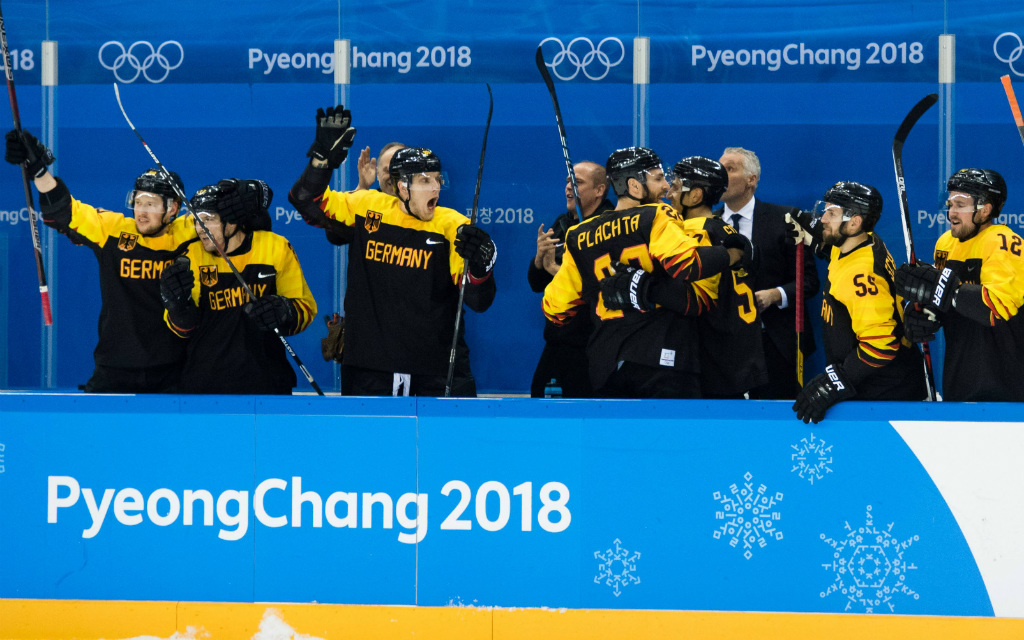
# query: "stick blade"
(915, 114)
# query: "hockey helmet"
(205, 200)
(857, 199)
(984, 184)
(631, 162)
(704, 173)
(412, 160)
(155, 181)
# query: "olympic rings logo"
(141, 56)
(1014, 54)
(581, 55)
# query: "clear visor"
(677, 184)
(960, 202)
(207, 217)
(822, 209)
(427, 181)
(144, 200)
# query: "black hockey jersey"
(731, 355)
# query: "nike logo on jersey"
(430, 241)
(264, 275)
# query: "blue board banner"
(512, 503)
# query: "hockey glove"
(272, 312)
(925, 284)
(334, 136)
(332, 346)
(920, 323)
(627, 288)
(803, 228)
(823, 391)
(739, 241)
(477, 249)
(25, 149)
(176, 284)
(243, 201)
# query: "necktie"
(734, 221)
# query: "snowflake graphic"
(617, 568)
(811, 459)
(748, 516)
(869, 566)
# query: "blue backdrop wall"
(226, 89)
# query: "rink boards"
(506, 518)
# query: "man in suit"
(774, 277)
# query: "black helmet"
(205, 199)
(984, 184)
(705, 173)
(154, 181)
(857, 199)
(627, 163)
(411, 160)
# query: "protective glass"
(822, 209)
(428, 181)
(144, 201)
(676, 185)
(961, 203)
(656, 172)
(208, 217)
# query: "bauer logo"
(141, 58)
(582, 56)
(1009, 48)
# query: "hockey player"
(866, 352)
(644, 351)
(564, 358)
(463, 382)
(135, 352)
(731, 357)
(232, 347)
(406, 260)
(974, 292)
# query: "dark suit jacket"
(776, 267)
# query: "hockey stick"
(465, 267)
(544, 73)
(897, 160)
(1013, 106)
(37, 245)
(220, 252)
(799, 312)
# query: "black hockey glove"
(627, 288)
(802, 227)
(925, 284)
(272, 312)
(243, 201)
(334, 136)
(477, 249)
(25, 149)
(176, 284)
(739, 241)
(920, 324)
(823, 391)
